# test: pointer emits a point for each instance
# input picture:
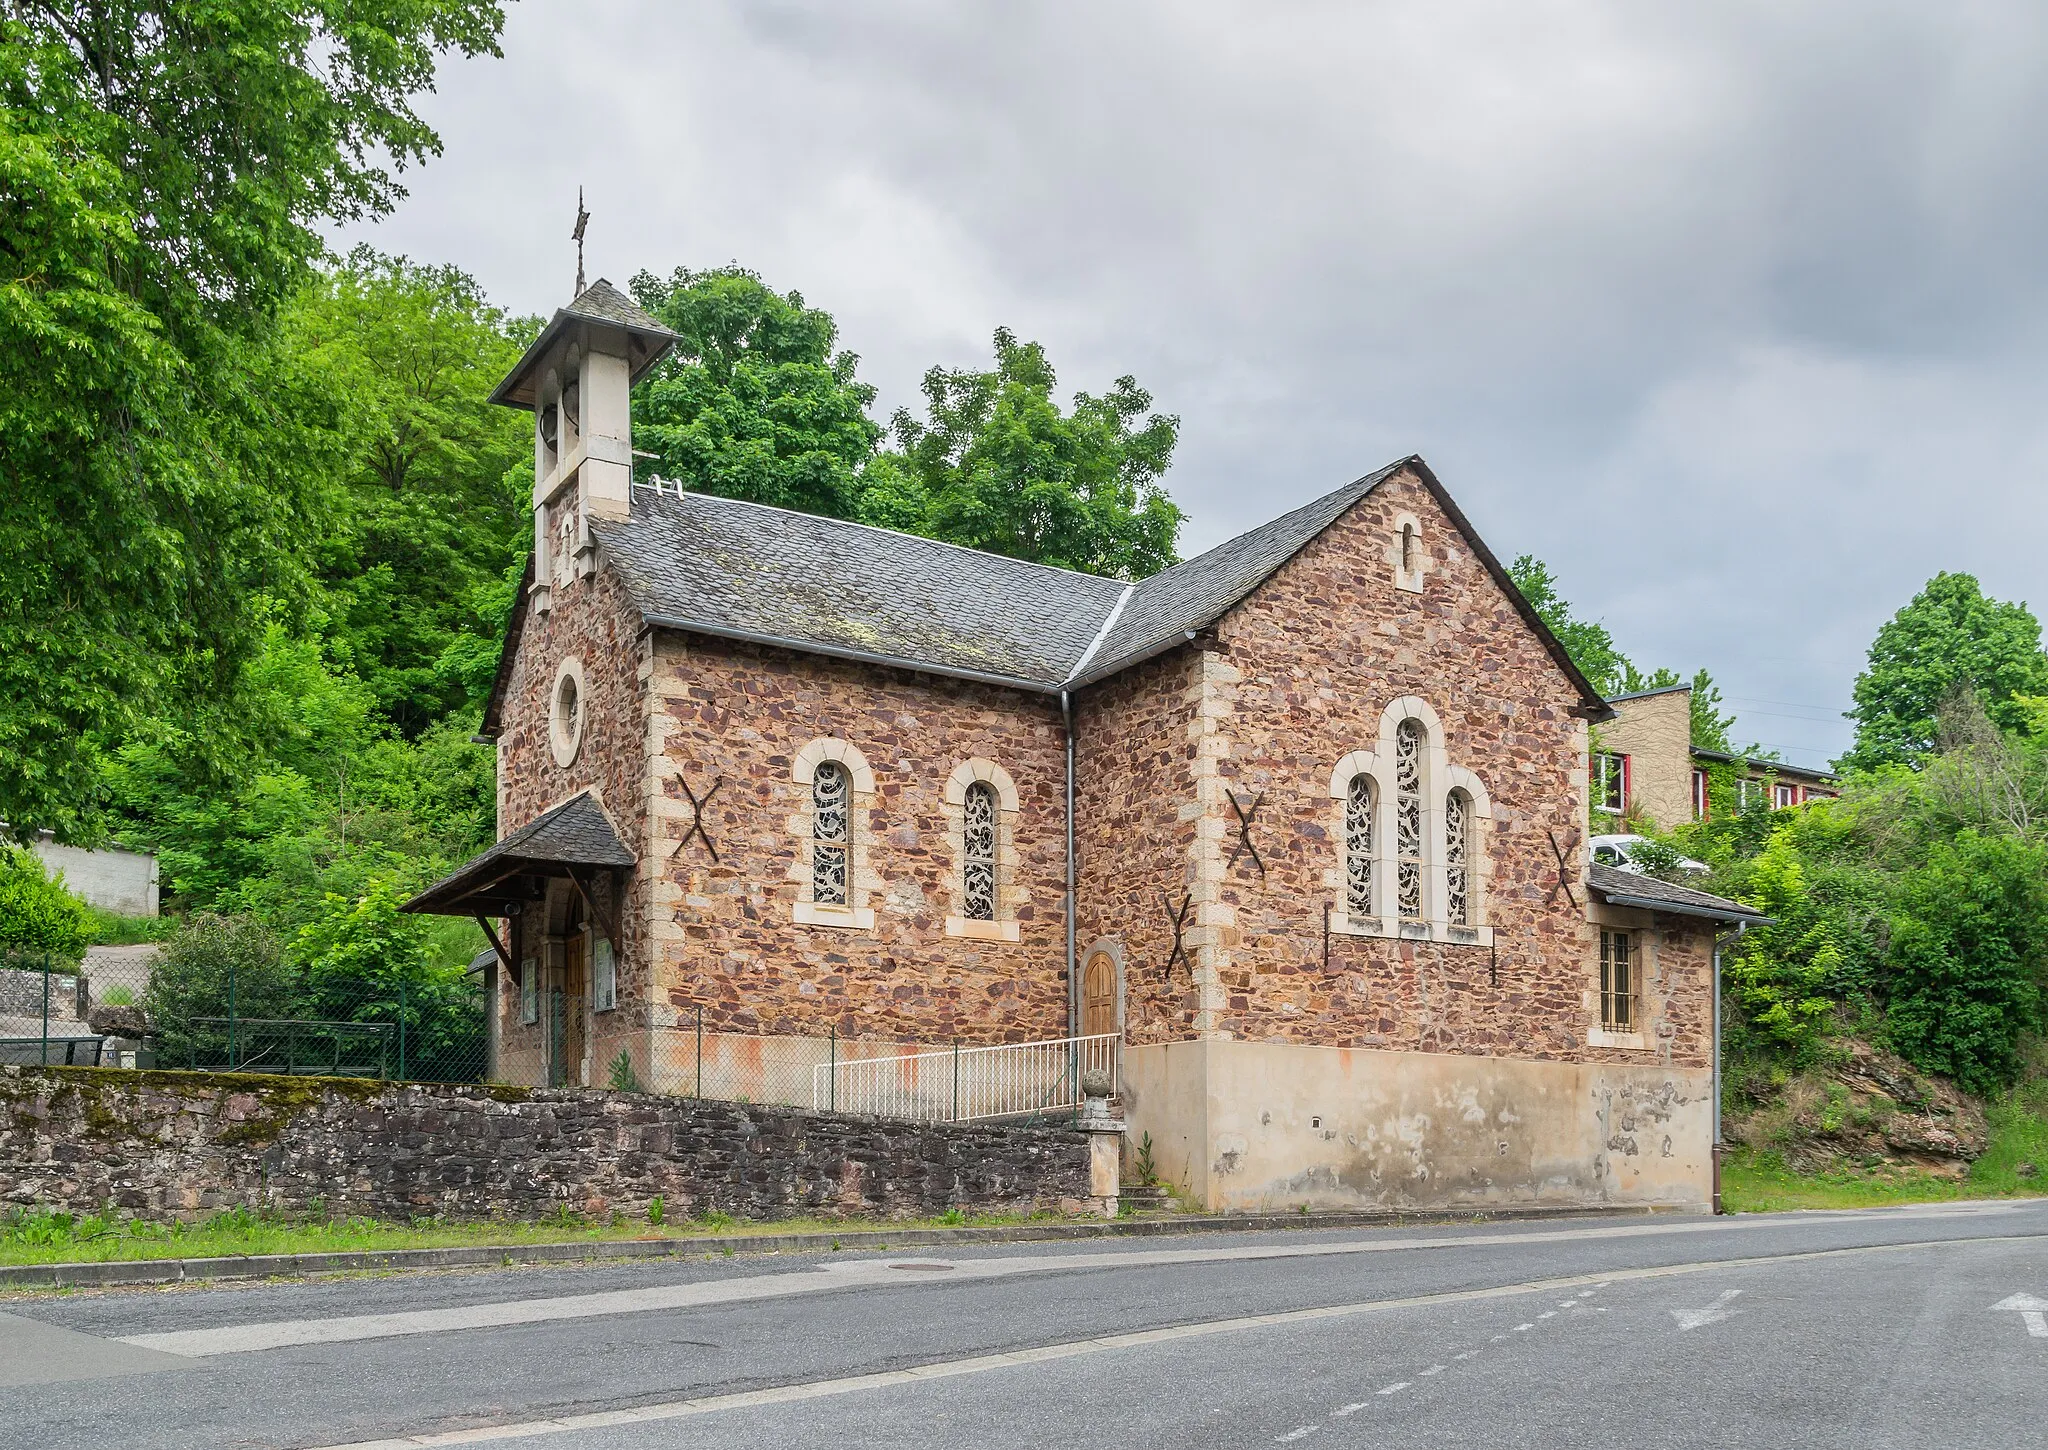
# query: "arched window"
(831, 797)
(1458, 858)
(1408, 849)
(978, 853)
(1361, 804)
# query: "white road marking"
(1351, 1409)
(867, 1274)
(979, 1364)
(1548, 1314)
(1395, 1388)
(2033, 1313)
(1520, 1327)
(1434, 1369)
(1299, 1433)
(1467, 1354)
(1714, 1313)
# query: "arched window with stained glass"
(978, 852)
(1458, 858)
(1361, 806)
(831, 833)
(1409, 742)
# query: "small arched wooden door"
(1101, 1002)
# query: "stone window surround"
(566, 743)
(1641, 925)
(1408, 579)
(1005, 927)
(861, 882)
(1439, 778)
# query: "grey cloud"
(1732, 313)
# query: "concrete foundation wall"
(1269, 1125)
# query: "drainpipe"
(1073, 986)
(1740, 928)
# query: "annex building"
(1297, 825)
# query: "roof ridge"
(681, 492)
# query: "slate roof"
(721, 566)
(1631, 889)
(600, 302)
(575, 833)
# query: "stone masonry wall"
(184, 1145)
(594, 621)
(1309, 663)
(723, 930)
(1135, 827)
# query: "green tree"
(434, 508)
(164, 168)
(997, 466)
(754, 402)
(1783, 971)
(1950, 637)
(1968, 938)
(1709, 726)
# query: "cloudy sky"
(1736, 314)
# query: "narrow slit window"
(978, 889)
(1458, 858)
(1408, 818)
(1361, 803)
(830, 793)
(1617, 981)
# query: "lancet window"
(1361, 804)
(831, 798)
(1458, 858)
(1408, 848)
(978, 856)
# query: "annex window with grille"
(1361, 805)
(978, 854)
(1618, 987)
(1458, 858)
(831, 799)
(1408, 850)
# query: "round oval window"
(565, 723)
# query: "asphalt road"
(1864, 1330)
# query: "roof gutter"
(1675, 908)
(840, 652)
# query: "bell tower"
(577, 380)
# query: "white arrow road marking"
(2033, 1313)
(1714, 1313)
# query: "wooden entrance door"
(575, 1006)
(1101, 1002)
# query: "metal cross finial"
(582, 218)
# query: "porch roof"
(1629, 888)
(576, 833)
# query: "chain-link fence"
(216, 1012)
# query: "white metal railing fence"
(959, 1084)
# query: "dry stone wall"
(185, 1145)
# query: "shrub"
(1968, 935)
(36, 913)
(210, 965)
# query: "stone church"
(1297, 826)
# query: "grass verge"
(30, 1237)
(1759, 1181)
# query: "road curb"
(116, 1272)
